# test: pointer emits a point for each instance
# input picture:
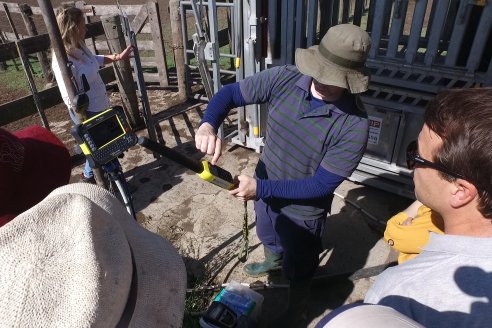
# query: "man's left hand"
(246, 188)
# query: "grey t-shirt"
(448, 285)
(300, 139)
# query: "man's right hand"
(206, 141)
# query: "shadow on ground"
(159, 176)
(349, 237)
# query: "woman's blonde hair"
(68, 19)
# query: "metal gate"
(419, 47)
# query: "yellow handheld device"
(208, 172)
(217, 175)
(105, 136)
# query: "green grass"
(196, 303)
(16, 79)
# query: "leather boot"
(272, 262)
(296, 313)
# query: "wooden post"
(122, 69)
(32, 85)
(59, 50)
(177, 38)
(61, 56)
(27, 14)
(3, 66)
(159, 51)
(14, 30)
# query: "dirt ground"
(205, 223)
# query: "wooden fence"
(146, 23)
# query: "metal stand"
(116, 175)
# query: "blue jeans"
(87, 168)
(298, 240)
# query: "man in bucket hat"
(78, 259)
(316, 135)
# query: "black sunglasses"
(413, 158)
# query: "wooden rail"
(146, 19)
(146, 24)
(25, 106)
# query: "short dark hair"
(463, 119)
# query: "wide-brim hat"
(339, 59)
(365, 315)
(33, 162)
(78, 259)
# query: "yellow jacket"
(410, 239)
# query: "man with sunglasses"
(450, 282)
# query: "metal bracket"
(208, 51)
(199, 50)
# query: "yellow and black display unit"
(105, 136)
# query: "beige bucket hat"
(339, 59)
(368, 316)
(78, 259)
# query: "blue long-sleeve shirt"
(321, 184)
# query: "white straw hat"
(339, 59)
(78, 259)
(364, 315)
